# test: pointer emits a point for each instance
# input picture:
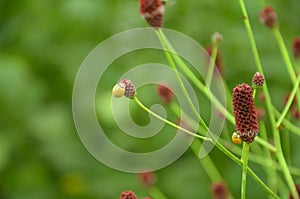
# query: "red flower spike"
(152, 11)
(148, 179)
(219, 190)
(165, 93)
(268, 17)
(244, 112)
(296, 47)
(298, 190)
(258, 80)
(128, 195)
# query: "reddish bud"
(286, 98)
(260, 113)
(152, 11)
(258, 80)
(128, 195)
(244, 112)
(165, 93)
(268, 17)
(298, 191)
(219, 61)
(295, 113)
(217, 38)
(296, 47)
(219, 190)
(262, 97)
(147, 178)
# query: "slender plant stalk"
(279, 153)
(168, 122)
(271, 172)
(155, 192)
(246, 147)
(291, 127)
(212, 63)
(289, 102)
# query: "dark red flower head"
(147, 178)
(152, 11)
(219, 190)
(258, 80)
(165, 93)
(296, 47)
(244, 112)
(268, 17)
(128, 195)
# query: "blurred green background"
(43, 43)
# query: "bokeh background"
(43, 43)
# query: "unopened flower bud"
(165, 93)
(217, 38)
(296, 47)
(147, 178)
(268, 17)
(244, 112)
(152, 11)
(219, 190)
(258, 80)
(128, 195)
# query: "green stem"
(289, 102)
(291, 127)
(246, 147)
(156, 193)
(171, 62)
(168, 122)
(194, 78)
(212, 63)
(207, 164)
(277, 141)
(285, 54)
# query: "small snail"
(236, 138)
(118, 90)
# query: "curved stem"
(168, 122)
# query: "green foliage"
(42, 46)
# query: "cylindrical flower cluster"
(152, 11)
(258, 80)
(244, 112)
